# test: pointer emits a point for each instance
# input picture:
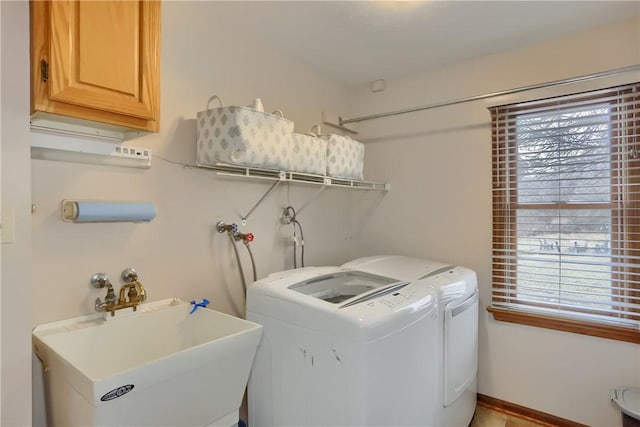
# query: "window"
(566, 213)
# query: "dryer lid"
(341, 286)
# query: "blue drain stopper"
(204, 303)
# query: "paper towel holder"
(107, 211)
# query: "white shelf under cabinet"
(251, 172)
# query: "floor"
(485, 417)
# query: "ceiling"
(356, 42)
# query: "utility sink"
(157, 366)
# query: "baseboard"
(524, 412)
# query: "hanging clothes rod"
(494, 94)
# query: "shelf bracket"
(243, 220)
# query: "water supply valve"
(226, 228)
(246, 238)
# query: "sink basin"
(157, 366)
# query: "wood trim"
(625, 226)
(524, 412)
(568, 325)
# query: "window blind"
(566, 207)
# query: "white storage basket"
(309, 153)
(242, 136)
(345, 157)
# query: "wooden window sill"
(568, 325)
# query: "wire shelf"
(295, 177)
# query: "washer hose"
(290, 217)
(296, 222)
(235, 250)
(253, 263)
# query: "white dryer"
(354, 346)
(457, 296)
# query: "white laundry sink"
(157, 366)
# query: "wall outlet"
(131, 152)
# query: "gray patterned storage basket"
(242, 136)
(345, 157)
(309, 153)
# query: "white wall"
(0, 230)
(439, 165)
(179, 253)
(16, 182)
(439, 206)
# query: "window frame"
(506, 207)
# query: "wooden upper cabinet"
(97, 60)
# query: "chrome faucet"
(132, 293)
(101, 280)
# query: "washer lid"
(341, 286)
(628, 399)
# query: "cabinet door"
(103, 60)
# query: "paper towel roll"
(90, 211)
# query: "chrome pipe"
(494, 94)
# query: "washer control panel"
(412, 299)
(397, 299)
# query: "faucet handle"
(100, 280)
(129, 275)
(142, 293)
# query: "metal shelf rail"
(279, 176)
(296, 177)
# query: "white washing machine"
(365, 344)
